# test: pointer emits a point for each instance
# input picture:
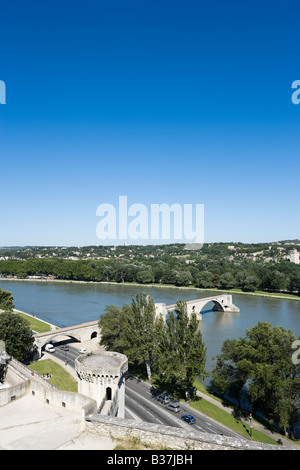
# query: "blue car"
(189, 419)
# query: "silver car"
(173, 407)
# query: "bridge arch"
(53, 338)
(218, 305)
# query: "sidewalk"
(255, 424)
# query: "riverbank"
(274, 295)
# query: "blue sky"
(162, 101)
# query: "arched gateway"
(81, 333)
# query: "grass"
(267, 294)
(241, 428)
(36, 325)
(59, 376)
(212, 411)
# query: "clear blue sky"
(163, 101)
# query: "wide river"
(65, 304)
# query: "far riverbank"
(274, 295)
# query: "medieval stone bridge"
(87, 331)
(221, 303)
(81, 333)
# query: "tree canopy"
(15, 331)
(259, 368)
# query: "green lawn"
(59, 376)
(230, 421)
(36, 325)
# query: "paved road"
(142, 406)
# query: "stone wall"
(9, 394)
(168, 437)
(27, 381)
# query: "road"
(141, 405)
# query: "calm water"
(66, 304)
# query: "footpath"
(286, 442)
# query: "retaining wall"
(169, 437)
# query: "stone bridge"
(221, 303)
(81, 333)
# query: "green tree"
(6, 300)
(182, 351)
(141, 333)
(111, 325)
(15, 331)
(263, 360)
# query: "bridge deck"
(67, 328)
(204, 299)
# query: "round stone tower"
(101, 377)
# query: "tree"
(15, 331)
(263, 361)
(227, 281)
(182, 353)
(205, 280)
(142, 330)
(135, 330)
(231, 371)
(111, 325)
(6, 300)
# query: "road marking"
(161, 410)
(143, 408)
(132, 414)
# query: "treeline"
(207, 272)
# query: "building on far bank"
(294, 257)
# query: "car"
(49, 348)
(82, 350)
(173, 407)
(64, 347)
(188, 419)
(164, 399)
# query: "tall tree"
(142, 331)
(134, 330)
(183, 353)
(6, 300)
(15, 331)
(111, 325)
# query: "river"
(66, 304)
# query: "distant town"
(268, 267)
(273, 252)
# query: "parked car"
(188, 419)
(64, 347)
(164, 399)
(173, 407)
(49, 348)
